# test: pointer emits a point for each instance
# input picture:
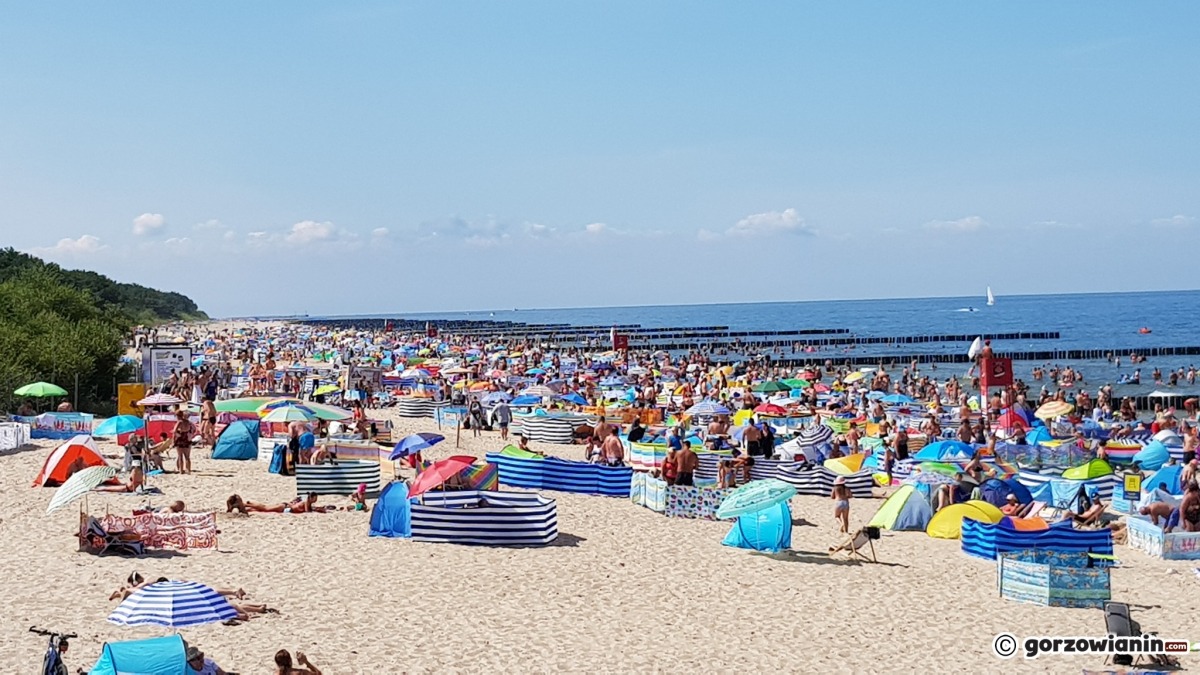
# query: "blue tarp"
(238, 441)
(391, 516)
(769, 530)
(160, 656)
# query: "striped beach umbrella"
(538, 390)
(173, 604)
(706, 408)
(290, 413)
(812, 435)
(1053, 409)
(79, 484)
(159, 401)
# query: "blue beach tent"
(1153, 456)
(238, 441)
(160, 656)
(768, 530)
(391, 516)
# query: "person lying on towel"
(306, 504)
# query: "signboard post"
(158, 362)
(1133, 487)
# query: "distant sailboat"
(991, 298)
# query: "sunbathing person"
(133, 582)
(1092, 509)
(299, 505)
(283, 664)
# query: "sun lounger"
(1031, 510)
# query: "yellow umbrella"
(854, 377)
(1054, 409)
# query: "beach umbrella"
(495, 397)
(932, 478)
(898, 399)
(875, 395)
(526, 400)
(239, 405)
(78, 485)
(770, 409)
(289, 413)
(770, 387)
(638, 370)
(326, 389)
(324, 411)
(41, 390)
(755, 496)
(796, 383)
(159, 401)
(812, 435)
(854, 377)
(415, 443)
(173, 604)
(1053, 409)
(535, 371)
(439, 472)
(575, 398)
(121, 424)
(480, 386)
(279, 402)
(539, 391)
(708, 407)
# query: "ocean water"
(1108, 321)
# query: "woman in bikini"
(299, 505)
(181, 440)
(841, 500)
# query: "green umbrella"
(79, 484)
(41, 390)
(755, 496)
(241, 405)
(771, 386)
(797, 383)
(326, 389)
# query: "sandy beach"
(623, 589)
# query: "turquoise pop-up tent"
(161, 656)
(391, 516)
(768, 530)
(238, 441)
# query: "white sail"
(991, 298)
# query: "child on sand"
(841, 499)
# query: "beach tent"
(905, 509)
(1153, 456)
(1170, 475)
(845, 465)
(768, 530)
(391, 515)
(78, 453)
(1088, 470)
(161, 656)
(239, 440)
(947, 523)
(995, 491)
(1038, 435)
(943, 450)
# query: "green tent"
(905, 509)
(1093, 469)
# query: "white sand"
(625, 589)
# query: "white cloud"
(211, 224)
(595, 228)
(765, 224)
(967, 224)
(1178, 220)
(484, 240)
(787, 221)
(308, 231)
(229, 235)
(148, 223)
(67, 247)
(539, 231)
(1055, 225)
(380, 232)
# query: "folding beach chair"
(864, 538)
(1031, 510)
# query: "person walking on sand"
(503, 416)
(841, 500)
(181, 439)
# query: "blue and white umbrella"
(898, 399)
(174, 604)
(813, 435)
(495, 397)
(707, 407)
(415, 443)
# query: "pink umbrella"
(438, 473)
(159, 400)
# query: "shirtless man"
(686, 461)
(752, 439)
(603, 430)
(614, 452)
(853, 436)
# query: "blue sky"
(279, 157)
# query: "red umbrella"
(821, 388)
(1011, 420)
(770, 409)
(438, 473)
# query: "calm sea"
(1109, 321)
